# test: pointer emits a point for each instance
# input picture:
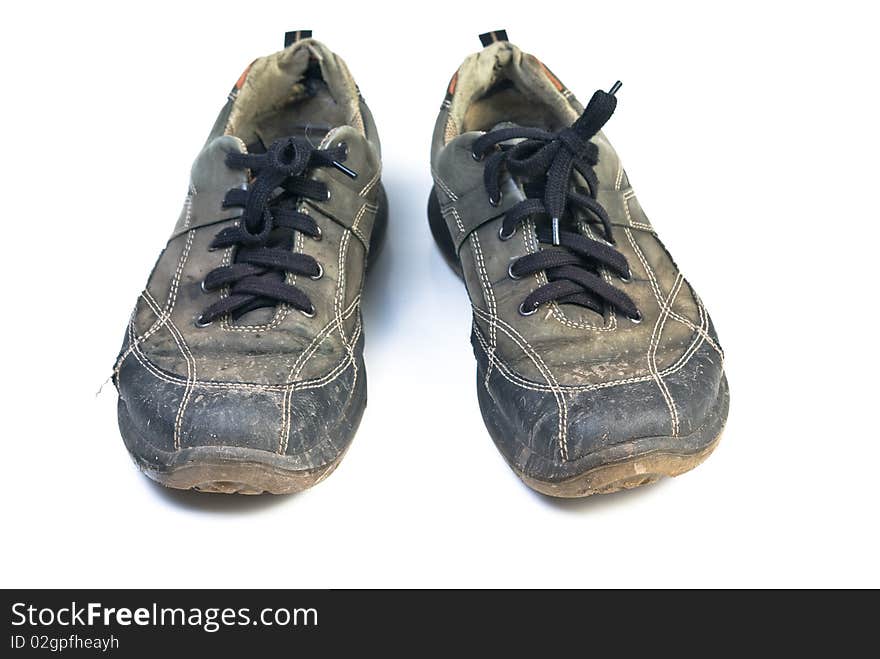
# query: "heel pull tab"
(489, 38)
(291, 38)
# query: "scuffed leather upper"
(566, 381)
(275, 379)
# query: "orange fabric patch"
(452, 84)
(240, 82)
(559, 86)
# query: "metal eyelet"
(510, 269)
(319, 236)
(327, 198)
(526, 312)
(198, 322)
(204, 290)
(478, 156)
(308, 314)
(627, 278)
(504, 236)
(496, 202)
(635, 320)
(320, 273)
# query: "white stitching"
(488, 292)
(626, 210)
(371, 184)
(702, 309)
(502, 367)
(190, 360)
(654, 344)
(654, 285)
(328, 329)
(281, 311)
(451, 209)
(630, 194)
(355, 229)
(545, 371)
(338, 299)
(530, 240)
(339, 296)
(315, 384)
(439, 181)
(241, 386)
(172, 292)
(515, 378)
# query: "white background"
(750, 132)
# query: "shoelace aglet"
(617, 85)
(345, 170)
(555, 230)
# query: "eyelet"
(496, 202)
(308, 314)
(635, 320)
(526, 312)
(627, 278)
(319, 275)
(204, 290)
(319, 236)
(478, 156)
(327, 198)
(198, 322)
(510, 269)
(504, 236)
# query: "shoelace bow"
(264, 237)
(546, 161)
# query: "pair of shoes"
(242, 368)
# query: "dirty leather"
(567, 382)
(275, 379)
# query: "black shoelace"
(264, 237)
(544, 162)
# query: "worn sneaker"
(598, 368)
(242, 369)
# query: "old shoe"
(598, 367)
(242, 368)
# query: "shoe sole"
(626, 475)
(221, 469)
(238, 470)
(647, 459)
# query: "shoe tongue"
(504, 124)
(314, 133)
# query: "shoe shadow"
(226, 504)
(601, 502)
(409, 266)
